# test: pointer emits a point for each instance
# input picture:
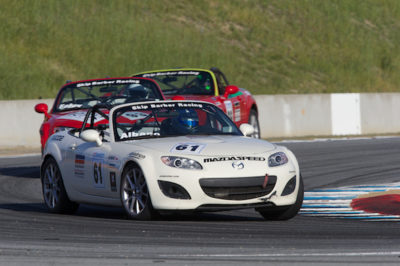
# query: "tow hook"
(269, 197)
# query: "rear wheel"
(285, 213)
(54, 193)
(253, 120)
(135, 195)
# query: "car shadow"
(207, 217)
(24, 207)
(25, 171)
(116, 213)
(190, 216)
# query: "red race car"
(74, 98)
(210, 86)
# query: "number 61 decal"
(97, 174)
(188, 148)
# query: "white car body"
(92, 170)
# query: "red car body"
(74, 98)
(210, 86)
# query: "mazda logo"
(238, 165)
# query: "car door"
(89, 170)
(95, 171)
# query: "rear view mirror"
(42, 108)
(231, 89)
(246, 129)
(91, 135)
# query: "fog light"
(290, 186)
(173, 190)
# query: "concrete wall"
(280, 116)
(19, 123)
(380, 113)
(294, 115)
(329, 114)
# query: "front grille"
(241, 188)
(229, 207)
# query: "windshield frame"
(76, 86)
(214, 85)
(115, 137)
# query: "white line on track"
(334, 139)
(331, 254)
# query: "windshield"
(83, 95)
(183, 82)
(167, 119)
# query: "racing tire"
(286, 213)
(54, 194)
(253, 120)
(135, 196)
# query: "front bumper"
(225, 193)
(219, 186)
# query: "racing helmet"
(188, 118)
(137, 91)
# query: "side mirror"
(42, 108)
(91, 135)
(231, 89)
(246, 129)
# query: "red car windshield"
(86, 94)
(183, 82)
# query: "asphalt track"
(29, 235)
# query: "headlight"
(180, 162)
(277, 159)
(60, 129)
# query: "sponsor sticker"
(107, 82)
(189, 148)
(134, 115)
(167, 105)
(229, 109)
(233, 158)
(138, 134)
(80, 116)
(79, 165)
(113, 182)
(237, 111)
(136, 155)
(57, 137)
(113, 162)
(69, 105)
(171, 73)
(237, 114)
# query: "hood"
(207, 145)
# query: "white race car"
(168, 156)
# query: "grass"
(269, 47)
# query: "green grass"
(268, 47)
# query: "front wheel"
(253, 120)
(135, 195)
(54, 193)
(285, 213)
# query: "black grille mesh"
(241, 188)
